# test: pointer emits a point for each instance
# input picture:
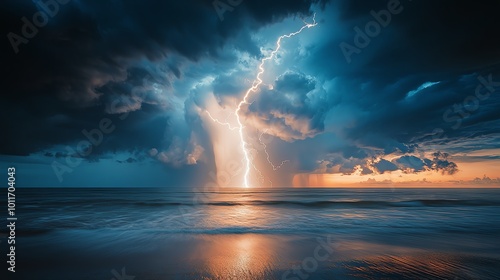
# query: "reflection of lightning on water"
(255, 85)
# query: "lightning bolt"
(275, 167)
(255, 85)
(219, 122)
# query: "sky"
(145, 93)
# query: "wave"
(88, 204)
(329, 203)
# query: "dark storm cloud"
(409, 164)
(440, 163)
(445, 38)
(94, 52)
(294, 109)
(384, 165)
(411, 92)
(414, 87)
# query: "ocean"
(85, 233)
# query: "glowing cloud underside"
(255, 85)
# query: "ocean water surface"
(258, 234)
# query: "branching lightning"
(268, 157)
(221, 123)
(255, 85)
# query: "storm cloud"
(421, 93)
